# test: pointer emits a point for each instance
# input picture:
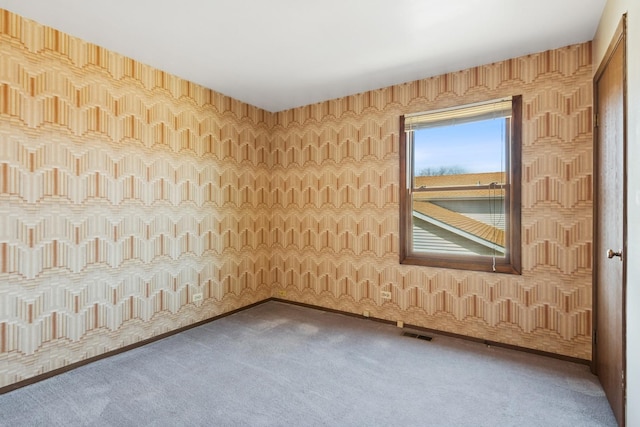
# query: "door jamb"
(619, 36)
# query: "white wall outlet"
(385, 294)
(365, 313)
(400, 324)
(197, 297)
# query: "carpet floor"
(278, 364)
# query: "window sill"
(481, 264)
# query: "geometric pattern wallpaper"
(335, 216)
(125, 190)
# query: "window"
(460, 187)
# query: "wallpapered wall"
(125, 190)
(335, 210)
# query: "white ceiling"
(280, 54)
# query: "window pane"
(460, 221)
(460, 149)
(460, 174)
(468, 220)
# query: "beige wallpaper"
(335, 208)
(124, 191)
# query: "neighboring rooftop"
(484, 178)
(459, 220)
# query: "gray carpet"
(282, 365)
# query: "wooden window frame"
(511, 262)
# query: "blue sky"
(475, 146)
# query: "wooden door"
(609, 224)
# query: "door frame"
(619, 36)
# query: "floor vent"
(413, 335)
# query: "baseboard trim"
(447, 334)
(126, 348)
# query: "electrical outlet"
(282, 293)
(365, 313)
(385, 294)
(197, 297)
(400, 324)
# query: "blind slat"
(451, 116)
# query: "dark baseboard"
(75, 365)
(447, 334)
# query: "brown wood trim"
(511, 263)
(619, 36)
(443, 333)
(404, 193)
(468, 262)
(514, 197)
(460, 188)
(625, 229)
(75, 365)
(62, 370)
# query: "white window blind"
(452, 116)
